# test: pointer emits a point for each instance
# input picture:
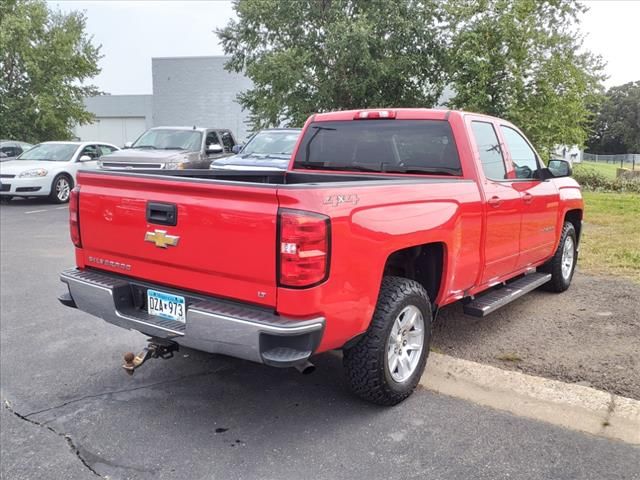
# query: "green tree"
(522, 60)
(45, 58)
(307, 56)
(617, 124)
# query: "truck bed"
(278, 179)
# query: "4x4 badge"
(337, 200)
(161, 239)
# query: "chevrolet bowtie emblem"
(161, 239)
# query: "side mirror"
(237, 148)
(85, 158)
(559, 168)
(555, 169)
(214, 148)
(128, 144)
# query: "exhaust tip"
(305, 368)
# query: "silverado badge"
(161, 239)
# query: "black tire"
(560, 282)
(54, 195)
(366, 362)
(5, 198)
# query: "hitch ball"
(157, 348)
(129, 366)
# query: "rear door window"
(106, 149)
(394, 146)
(227, 141)
(489, 150)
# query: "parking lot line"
(64, 207)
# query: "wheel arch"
(72, 181)
(575, 218)
(52, 190)
(422, 263)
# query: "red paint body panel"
(227, 234)
(227, 231)
(386, 219)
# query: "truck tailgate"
(224, 233)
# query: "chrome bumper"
(211, 325)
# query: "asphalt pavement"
(69, 410)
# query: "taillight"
(304, 247)
(74, 216)
(374, 114)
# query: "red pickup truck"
(383, 217)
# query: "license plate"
(166, 305)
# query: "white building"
(119, 118)
(186, 91)
(570, 153)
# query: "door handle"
(162, 213)
(527, 197)
(494, 201)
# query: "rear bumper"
(212, 325)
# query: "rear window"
(392, 146)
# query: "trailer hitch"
(157, 348)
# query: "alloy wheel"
(405, 343)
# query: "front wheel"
(60, 189)
(386, 363)
(563, 263)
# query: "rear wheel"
(563, 263)
(60, 189)
(5, 198)
(386, 363)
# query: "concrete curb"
(572, 406)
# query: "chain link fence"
(625, 160)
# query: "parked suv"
(172, 148)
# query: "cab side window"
(227, 141)
(212, 139)
(523, 158)
(489, 149)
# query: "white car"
(49, 169)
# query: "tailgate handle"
(162, 213)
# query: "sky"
(135, 31)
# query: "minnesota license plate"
(166, 305)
